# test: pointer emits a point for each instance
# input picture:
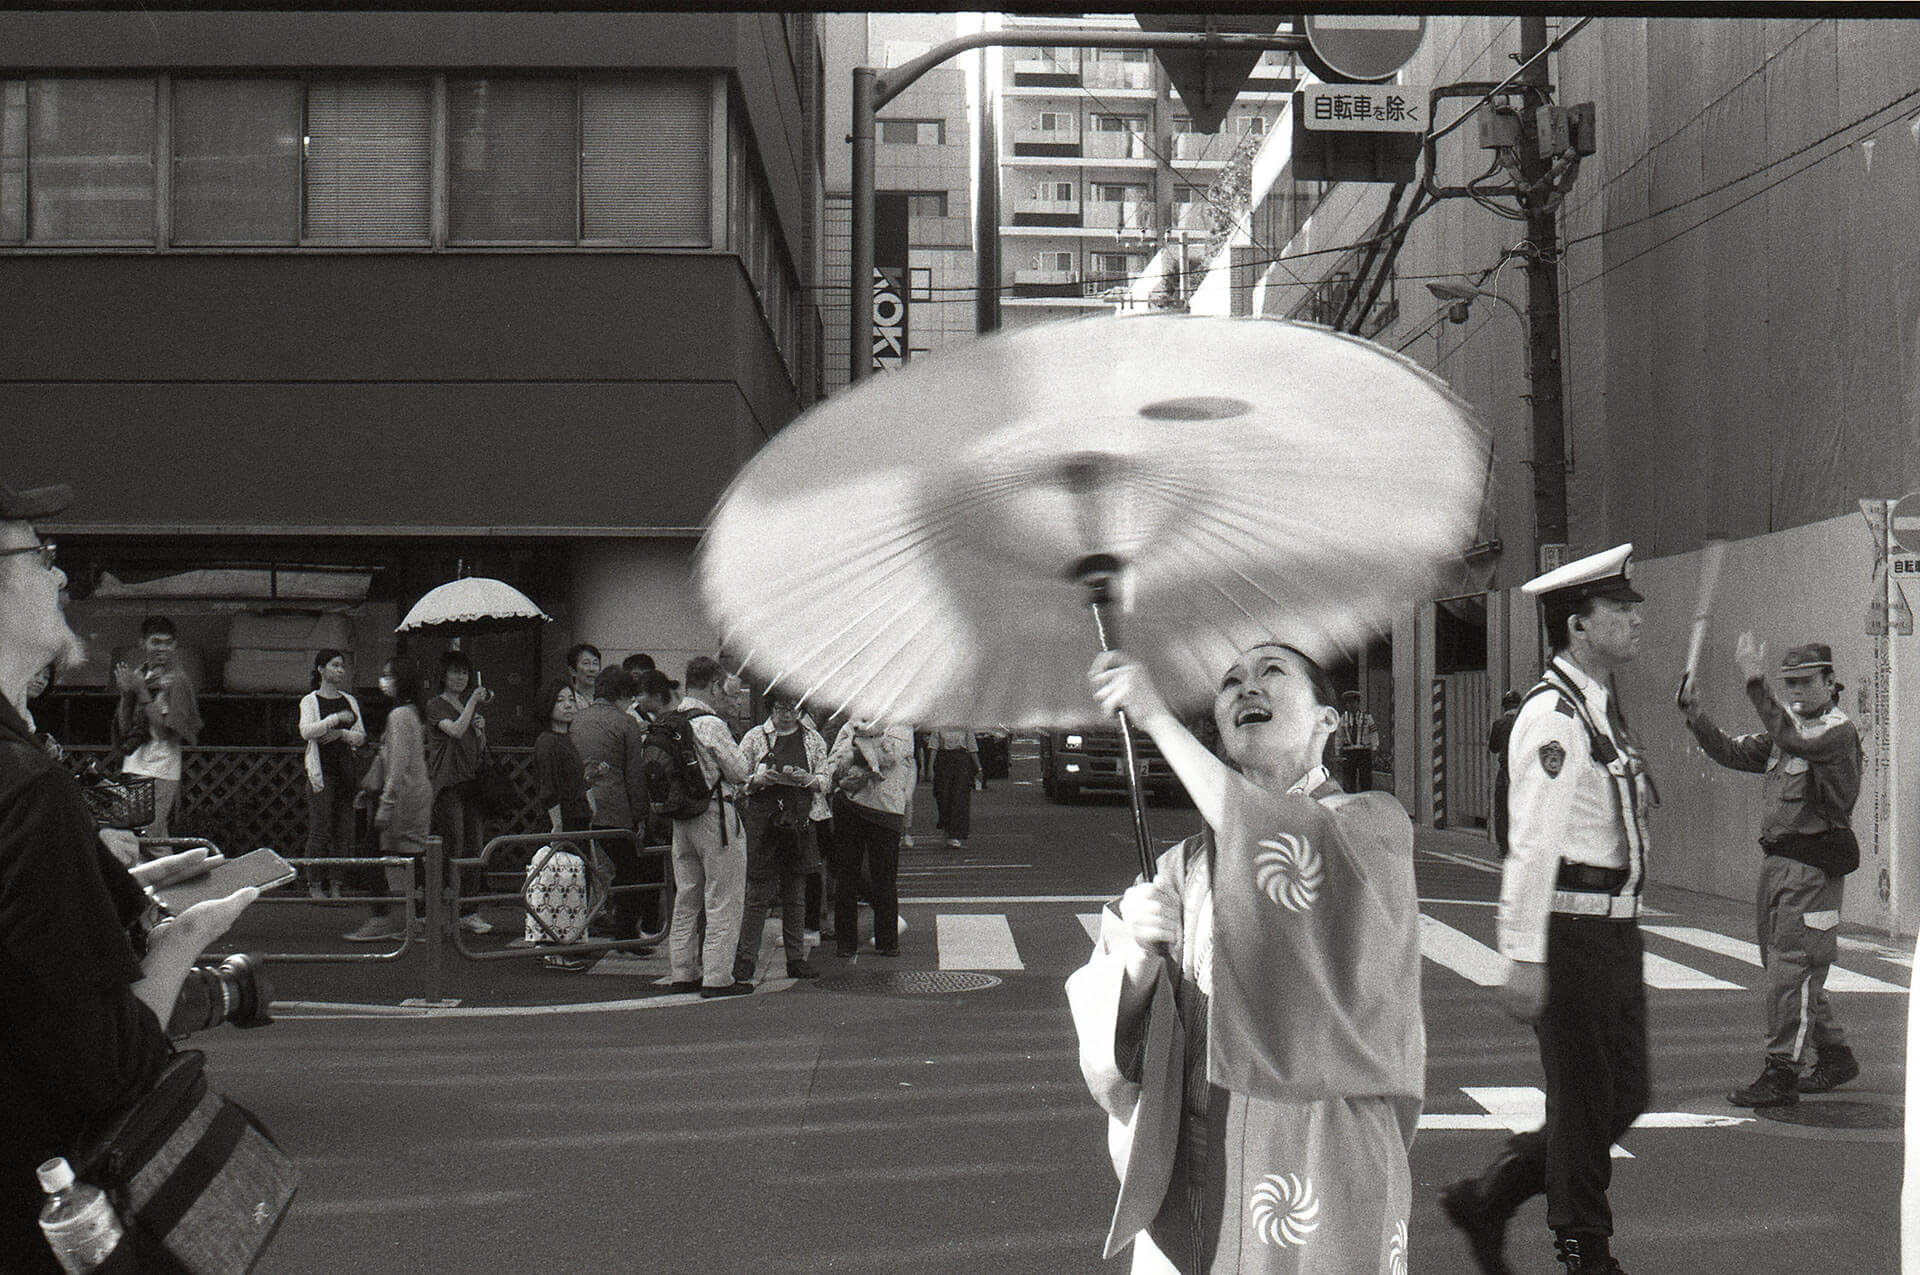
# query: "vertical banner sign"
(1875, 711)
(889, 281)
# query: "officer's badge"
(1552, 758)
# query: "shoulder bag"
(193, 1175)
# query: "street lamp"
(1462, 295)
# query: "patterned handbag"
(192, 1173)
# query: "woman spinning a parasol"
(1273, 965)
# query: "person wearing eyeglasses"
(86, 991)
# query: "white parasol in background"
(922, 547)
(472, 605)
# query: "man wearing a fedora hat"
(1810, 754)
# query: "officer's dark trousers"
(1593, 1047)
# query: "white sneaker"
(813, 939)
(474, 923)
(901, 922)
(375, 929)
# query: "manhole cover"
(1837, 1114)
(909, 982)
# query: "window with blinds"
(90, 160)
(645, 161)
(511, 153)
(369, 161)
(236, 161)
(13, 161)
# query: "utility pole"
(1543, 303)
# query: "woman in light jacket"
(403, 810)
(872, 769)
(331, 725)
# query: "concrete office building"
(315, 310)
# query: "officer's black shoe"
(1778, 1086)
(1586, 1255)
(1486, 1230)
(1833, 1066)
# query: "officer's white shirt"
(1569, 811)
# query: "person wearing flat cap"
(1811, 756)
(1568, 922)
(87, 991)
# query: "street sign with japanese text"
(1364, 108)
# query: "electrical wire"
(1771, 164)
(1718, 213)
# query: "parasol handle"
(1098, 579)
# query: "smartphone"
(260, 867)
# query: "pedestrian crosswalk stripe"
(1521, 1109)
(1465, 956)
(1672, 976)
(1838, 980)
(976, 941)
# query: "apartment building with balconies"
(1101, 167)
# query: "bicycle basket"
(121, 803)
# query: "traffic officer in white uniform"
(1569, 903)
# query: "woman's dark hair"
(451, 660)
(409, 687)
(1324, 695)
(543, 707)
(323, 657)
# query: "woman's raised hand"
(1118, 681)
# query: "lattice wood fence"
(240, 798)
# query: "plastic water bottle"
(77, 1219)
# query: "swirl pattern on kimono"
(1286, 1210)
(1288, 870)
(1397, 1249)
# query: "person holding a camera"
(88, 994)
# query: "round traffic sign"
(1360, 47)
(1904, 522)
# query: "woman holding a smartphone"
(457, 735)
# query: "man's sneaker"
(955, 843)
(1486, 1234)
(474, 923)
(1777, 1086)
(375, 929)
(684, 985)
(735, 988)
(1833, 1066)
(801, 969)
(568, 963)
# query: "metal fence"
(245, 797)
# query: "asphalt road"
(899, 1115)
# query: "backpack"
(677, 787)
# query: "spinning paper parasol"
(472, 605)
(922, 547)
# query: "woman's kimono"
(1261, 1114)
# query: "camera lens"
(251, 995)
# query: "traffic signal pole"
(873, 89)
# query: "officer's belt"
(1583, 889)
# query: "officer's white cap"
(1607, 574)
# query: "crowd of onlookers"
(780, 811)
(796, 812)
